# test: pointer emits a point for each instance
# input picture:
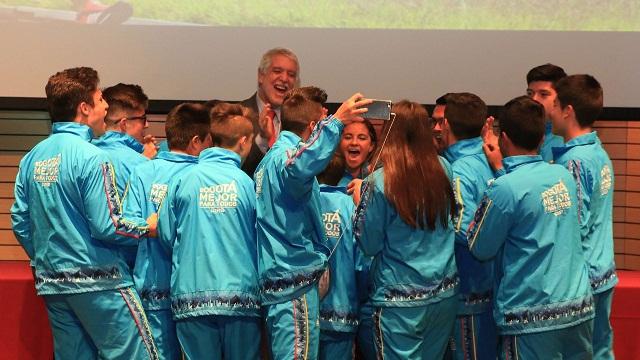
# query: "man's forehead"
(540, 85)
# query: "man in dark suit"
(278, 72)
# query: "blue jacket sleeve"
(370, 218)
(20, 219)
(102, 205)
(466, 203)
(134, 202)
(584, 189)
(490, 225)
(311, 157)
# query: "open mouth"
(281, 89)
(353, 153)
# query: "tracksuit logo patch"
(158, 192)
(556, 199)
(605, 180)
(217, 198)
(332, 224)
(46, 171)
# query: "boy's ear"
(84, 108)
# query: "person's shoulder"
(252, 104)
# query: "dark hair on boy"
(125, 97)
(333, 173)
(546, 72)
(69, 88)
(466, 114)
(184, 122)
(229, 123)
(442, 100)
(523, 120)
(300, 107)
(584, 94)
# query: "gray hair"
(265, 61)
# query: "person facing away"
(475, 336)
(578, 105)
(208, 219)
(187, 128)
(67, 217)
(125, 124)
(292, 246)
(403, 220)
(527, 222)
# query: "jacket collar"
(75, 128)
(586, 139)
(122, 138)
(512, 162)
(217, 154)
(176, 157)
(463, 148)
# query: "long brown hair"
(414, 180)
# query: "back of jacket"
(528, 222)
(592, 169)
(411, 266)
(66, 215)
(208, 219)
(291, 239)
(148, 187)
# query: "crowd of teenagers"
(272, 229)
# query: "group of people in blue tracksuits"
(474, 246)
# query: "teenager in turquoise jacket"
(125, 153)
(404, 221)
(475, 335)
(187, 128)
(527, 222)
(579, 105)
(292, 246)
(208, 219)
(67, 217)
(339, 307)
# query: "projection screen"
(413, 49)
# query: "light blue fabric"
(414, 333)
(125, 153)
(67, 215)
(293, 249)
(107, 324)
(292, 327)
(335, 345)
(208, 219)
(471, 176)
(339, 308)
(476, 336)
(148, 186)
(573, 343)
(163, 330)
(528, 222)
(411, 267)
(550, 141)
(220, 337)
(592, 169)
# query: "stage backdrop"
(416, 49)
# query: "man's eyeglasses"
(141, 117)
(435, 121)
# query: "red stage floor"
(25, 330)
